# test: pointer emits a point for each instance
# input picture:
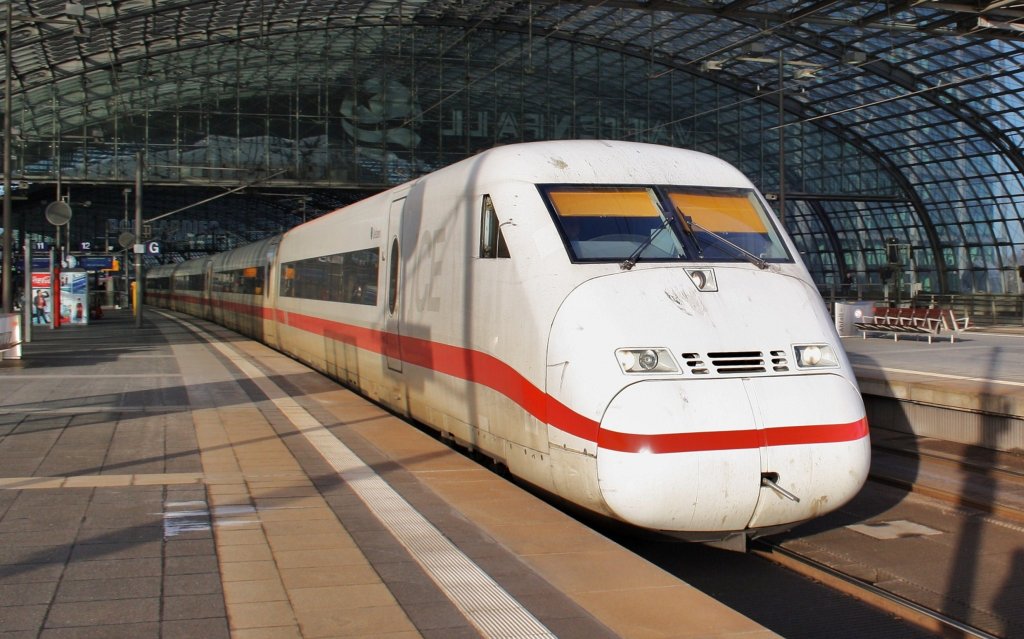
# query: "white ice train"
(623, 325)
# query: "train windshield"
(659, 223)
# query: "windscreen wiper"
(630, 261)
(688, 222)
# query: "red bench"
(913, 321)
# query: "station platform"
(177, 480)
(969, 392)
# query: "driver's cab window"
(613, 222)
(725, 221)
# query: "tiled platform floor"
(149, 487)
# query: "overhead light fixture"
(803, 74)
(711, 65)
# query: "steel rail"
(948, 458)
(955, 498)
(914, 613)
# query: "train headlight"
(646, 360)
(704, 279)
(816, 356)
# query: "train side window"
(349, 277)
(492, 242)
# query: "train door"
(392, 310)
(207, 311)
(270, 284)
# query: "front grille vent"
(695, 364)
(738, 362)
(779, 362)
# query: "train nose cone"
(735, 434)
(692, 455)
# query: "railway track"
(955, 480)
(911, 612)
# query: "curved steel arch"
(739, 87)
(252, 26)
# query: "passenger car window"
(349, 277)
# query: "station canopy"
(897, 126)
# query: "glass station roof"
(898, 122)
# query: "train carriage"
(190, 290)
(623, 325)
(158, 285)
(326, 302)
(238, 281)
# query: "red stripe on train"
(487, 370)
(732, 439)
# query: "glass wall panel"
(373, 106)
(380, 105)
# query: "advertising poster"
(42, 305)
(74, 297)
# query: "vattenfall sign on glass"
(486, 124)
